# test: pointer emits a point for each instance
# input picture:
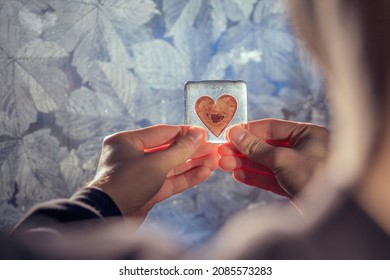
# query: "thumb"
(181, 150)
(253, 147)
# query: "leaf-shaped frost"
(237, 10)
(22, 93)
(272, 49)
(38, 169)
(198, 51)
(8, 166)
(8, 148)
(219, 18)
(186, 18)
(3, 56)
(42, 101)
(15, 98)
(7, 127)
(30, 67)
(72, 171)
(9, 215)
(41, 49)
(88, 154)
(97, 31)
(31, 21)
(165, 111)
(278, 52)
(43, 60)
(89, 114)
(217, 66)
(73, 22)
(171, 11)
(160, 64)
(134, 12)
(12, 35)
(123, 82)
(86, 102)
(115, 47)
(192, 35)
(82, 128)
(9, 142)
(265, 8)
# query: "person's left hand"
(139, 168)
(276, 155)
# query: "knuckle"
(135, 142)
(114, 139)
(123, 138)
(110, 139)
(323, 133)
(251, 146)
(182, 147)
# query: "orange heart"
(216, 115)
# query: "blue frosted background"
(72, 72)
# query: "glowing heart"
(216, 115)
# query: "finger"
(155, 136)
(272, 129)
(211, 161)
(184, 181)
(180, 151)
(231, 163)
(265, 182)
(228, 149)
(205, 149)
(284, 133)
(254, 148)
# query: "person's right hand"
(275, 155)
(139, 168)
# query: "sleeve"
(86, 204)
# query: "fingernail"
(195, 134)
(236, 134)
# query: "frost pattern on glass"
(72, 72)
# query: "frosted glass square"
(215, 106)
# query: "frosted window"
(72, 72)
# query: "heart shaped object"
(216, 115)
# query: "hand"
(275, 155)
(139, 168)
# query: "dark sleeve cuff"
(86, 204)
(98, 200)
